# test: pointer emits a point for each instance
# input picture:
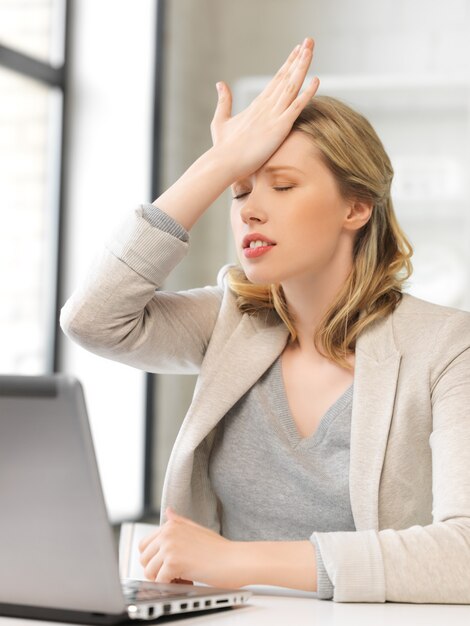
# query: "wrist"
(222, 164)
(200, 185)
(280, 563)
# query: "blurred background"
(104, 103)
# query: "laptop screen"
(56, 544)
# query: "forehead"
(297, 155)
(297, 150)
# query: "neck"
(309, 298)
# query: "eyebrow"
(275, 168)
(270, 169)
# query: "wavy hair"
(354, 154)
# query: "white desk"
(286, 611)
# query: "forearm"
(281, 563)
(190, 196)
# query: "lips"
(256, 237)
(264, 245)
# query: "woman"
(327, 447)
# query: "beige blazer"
(410, 432)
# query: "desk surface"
(285, 611)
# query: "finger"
(293, 79)
(166, 573)
(153, 567)
(223, 110)
(289, 89)
(302, 99)
(150, 552)
(307, 45)
(286, 69)
(283, 70)
(143, 543)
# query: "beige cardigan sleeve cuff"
(152, 254)
(353, 561)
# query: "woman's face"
(293, 201)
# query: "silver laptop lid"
(56, 545)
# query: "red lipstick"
(253, 252)
(256, 237)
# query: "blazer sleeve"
(421, 564)
(118, 314)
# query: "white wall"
(108, 173)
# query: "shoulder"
(421, 325)
(414, 314)
(419, 330)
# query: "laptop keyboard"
(141, 591)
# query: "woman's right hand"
(241, 143)
(248, 139)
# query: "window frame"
(151, 510)
(27, 66)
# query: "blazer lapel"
(248, 353)
(244, 357)
(375, 380)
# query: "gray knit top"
(273, 484)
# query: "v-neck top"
(275, 485)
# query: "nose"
(251, 211)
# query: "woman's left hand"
(182, 550)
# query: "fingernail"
(218, 86)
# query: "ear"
(359, 213)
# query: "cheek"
(314, 228)
(233, 219)
(316, 236)
(236, 225)
(326, 218)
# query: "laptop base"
(62, 615)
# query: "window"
(35, 28)
(109, 139)
(30, 173)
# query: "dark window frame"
(150, 510)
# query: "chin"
(262, 276)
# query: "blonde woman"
(327, 447)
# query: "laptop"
(58, 558)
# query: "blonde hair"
(353, 152)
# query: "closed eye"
(240, 195)
(245, 193)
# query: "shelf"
(404, 92)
